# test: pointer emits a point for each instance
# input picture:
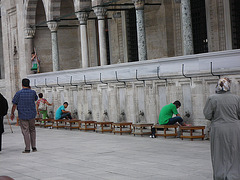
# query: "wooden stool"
(84, 125)
(122, 125)
(60, 123)
(192, 128)
(72, 124)
(141, 126)
(47, 122)
(42, 123)
(165, 127)
(104, 126)
(38, 121)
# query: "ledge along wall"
(141, 86)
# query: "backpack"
(42, 106)
(3, 106)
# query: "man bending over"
(61, 113)
(166, 113)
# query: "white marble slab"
(224, 62)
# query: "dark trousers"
(1, 131)
(170, 122)
(66, 115)
(0, 141)
(29, 133)
(174, 120)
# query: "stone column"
(29, 34)
(53, 26)
(83, 17)
(100, 13)
(187, 35)
(142, 46)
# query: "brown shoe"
(34, 149)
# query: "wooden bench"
(47, 122)
(73, 124)
(87, 125)
(191, 129)
(41, 123)
(165, 127)
(60, 123)
(121, 126)
(142, 126)
(103, 126)
(38, 121)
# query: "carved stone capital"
(82, 17)
(53, 26)
(29, 33)
(100, 12)
(139, 4)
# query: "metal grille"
(235, 22)
(132, 35)
(199, 26)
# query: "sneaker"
(34, 149)
(26, 151)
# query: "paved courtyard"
(64, 154)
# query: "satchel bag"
(42, 105)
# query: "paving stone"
(65, 154)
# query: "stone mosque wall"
(137, 95)
(3, 87)
(116, 98)
(164, 45)
(69, 37)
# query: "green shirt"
(166, 113)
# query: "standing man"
(3, 112)
(24, 101)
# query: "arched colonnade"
(81, 9)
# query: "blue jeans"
(66, 115)
(174, 120)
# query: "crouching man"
(166, 113)
(166, 116)
(61, 113)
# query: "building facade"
(121, 56)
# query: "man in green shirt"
(166, 113)
(165, 116)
